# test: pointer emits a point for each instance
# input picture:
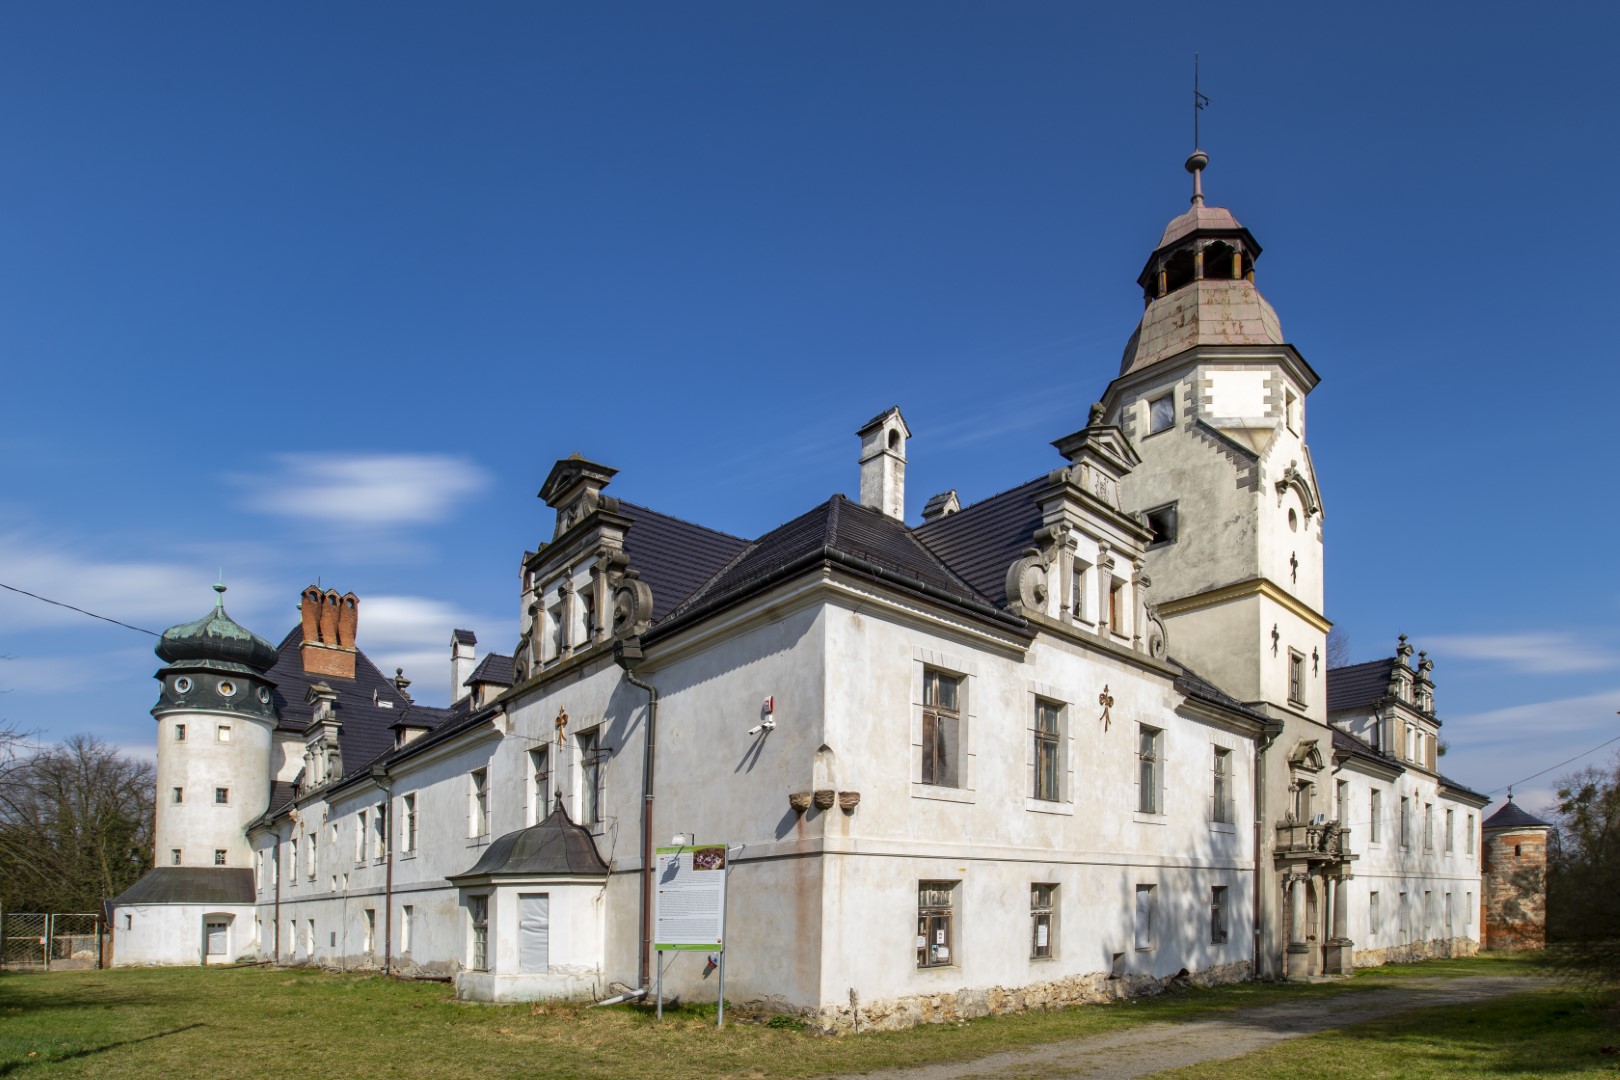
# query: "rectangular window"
(219, 856)
(371, 929)
(478, 915)
(1428, 826)
(310, 840)
(1406, 822)
(1221, 795)
(1148, 746)
(406, 914)
(1451, 822)
(1375, 827)
(1042, 929)
(361, 821)
(1291, 410)
(590, 776)
(1296, 678)
(379, 834)
(1161, 414)
(1115, 589)
(1144, 916)
(179, 733)
(309, 939)
(258, 868)
(539, 784)
(942, 728)
(1077, 590)
(935, 929)
(1217, 915)
(292, 844)
(1048, 752)
(408, 838)
(222, 796)
(478, 803)
(1468, 838)
(1162, 520)
(1341, 806)
(1428, 913)
(1448, 914)
(1401, 918)
(177, 795)
(223, 732)
(174, 856)
(1372, 913)
(1468, 909)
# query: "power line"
(1560, 765)
(80, 610)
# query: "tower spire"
(1199, 159)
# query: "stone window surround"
(967, 671)
(1064, 803)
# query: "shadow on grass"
(9, 1067)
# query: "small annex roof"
(556, 847)
(494, 668)
(1358, 686)
(463, 637)
(190, 885)
(1513, 816)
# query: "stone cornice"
(1242, 590)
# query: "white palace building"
(1067, 742)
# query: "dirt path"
(1149, 1048)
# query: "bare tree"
(75, 824)
(1338, 648)
(1583, 920)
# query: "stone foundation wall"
(896, 1014)
(1435, 949)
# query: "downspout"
(379, 774)
(275, 850)
(627, 654)
(1261, 745)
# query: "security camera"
(769, 724)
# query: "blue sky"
(321, 291)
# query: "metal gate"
(30, 941)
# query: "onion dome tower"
(216, 716)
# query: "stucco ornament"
(1026, 580)
(1158, 638)
(632, 606)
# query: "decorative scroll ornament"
(632, 606)
(1158, 638)
(1026, 580)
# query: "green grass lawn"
(252, 1022)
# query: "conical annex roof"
(216, 637)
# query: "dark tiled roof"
(674, 557)
(873, 539)
(1512, 817)
(464, 637)
(1192, 684)
(367, 727)
(981, 541)
(1347, 743)
(1465, 789)
(282, 793)
(1358, 686)
(493, 668)
(555, 846)
(423, 716)
(191, 885)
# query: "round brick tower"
(1513, 892)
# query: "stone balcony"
(1326, 839)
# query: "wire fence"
(35, 941)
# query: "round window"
(227, 688)
(1293, 520)
(264, 695)
(182, 685)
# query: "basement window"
(1042, 916)
(935, 923)
(1162, 520)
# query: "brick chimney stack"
(329, 622)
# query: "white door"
(218, 935)
(534, 932)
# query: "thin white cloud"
(413, 632)
(1535, 723)
(366, 491)
(148, 594)
(1543, 653)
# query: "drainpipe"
(627, 654)
(275, 850)
(1261, 745)
(379, 775)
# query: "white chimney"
(463, 658)
(883, 463)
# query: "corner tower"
(1213, 398)
(216, 719)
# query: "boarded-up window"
(1144, 916)
(534, 932)
(219, 933)
(1043, 921)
